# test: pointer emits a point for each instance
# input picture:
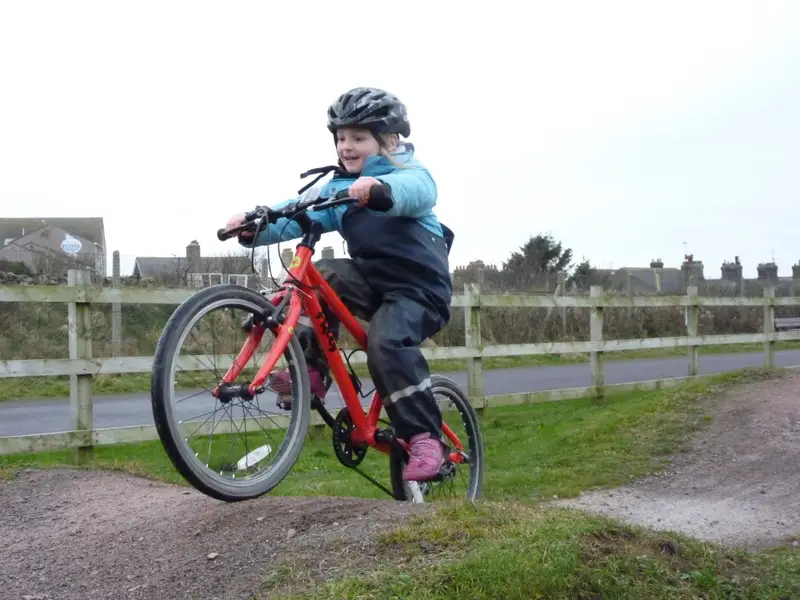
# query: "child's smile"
(354, 146)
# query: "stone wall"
(7, 278)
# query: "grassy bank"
(129, 383)
(517, 551)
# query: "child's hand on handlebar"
(361, 187)
(238, 220)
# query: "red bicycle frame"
(303, 270)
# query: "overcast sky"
(623, 128)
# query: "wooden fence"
(81, 365)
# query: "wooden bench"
(787, 323)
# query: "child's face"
(354, 146)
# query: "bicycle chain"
(349, 455)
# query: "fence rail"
(81, 365)
(131, 295)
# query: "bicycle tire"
(446, 386)
(182, 457)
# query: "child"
(398, 277)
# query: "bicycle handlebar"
(380, 198)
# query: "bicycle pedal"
(447, 470)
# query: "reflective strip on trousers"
(411, 389)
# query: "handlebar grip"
(226, 234)
(380, 198)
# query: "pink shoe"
(281, 382)
(427, 457)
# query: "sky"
(627, 130)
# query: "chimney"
(692, 269)
(732, 271)
(193, 258)
(327, 252)
(658, 270)
(286, 256)
(768, 272)
(796, 271)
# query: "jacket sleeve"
(284, 230)
(413, 189)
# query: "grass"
(28, 388)
(518, 551)
(510, 545)
(532, 451)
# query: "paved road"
(42, 416)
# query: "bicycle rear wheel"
(252, 437)
(463, 479)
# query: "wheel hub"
(227, 392)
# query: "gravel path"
(739, 483)
(91, 535)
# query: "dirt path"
(739, 484)
(98, 535)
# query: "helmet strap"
(321, 172)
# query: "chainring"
(349, 455)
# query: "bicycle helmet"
(370, 108)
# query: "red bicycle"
(263, 463)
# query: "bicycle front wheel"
(239, 448)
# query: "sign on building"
(70, 245)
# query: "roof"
(154, 266)
(671, 278)
(89, 228)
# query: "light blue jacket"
(413, 189)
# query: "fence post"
(562, 287)
(629, 292)
(692, 330)
(596, 335)
(769, 326)
(80, 346)
(116, 311)
(472, 339)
